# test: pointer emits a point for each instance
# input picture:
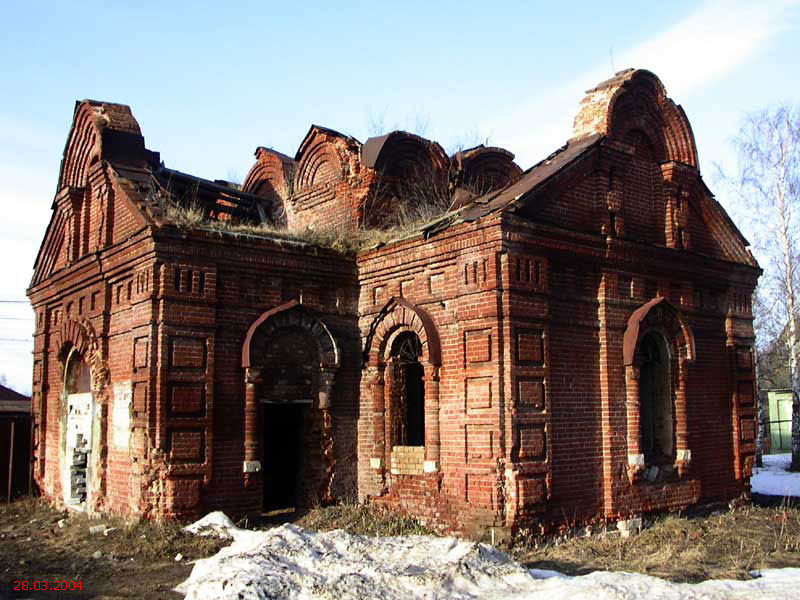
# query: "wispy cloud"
(705, 46)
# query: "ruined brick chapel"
(571, 339)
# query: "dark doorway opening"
(655, 401)
(283, 455)
(415, 405)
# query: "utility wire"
(14, 340)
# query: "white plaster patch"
(78, 446)
(121, 417)
(636, 460)
(251, 466)
(430, 466)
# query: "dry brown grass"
(345, 241)
(721, 545)
(361, 519)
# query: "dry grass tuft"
(361, 519)
(193, 216)
(722, 545)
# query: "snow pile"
(290, 562)
(773, 479)
(216, 523)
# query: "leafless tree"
(768, 183)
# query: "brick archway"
(77, 340)
(291, 316)
(659, 317)
(81, 335)
(397, 317)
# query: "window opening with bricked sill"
(407, 406)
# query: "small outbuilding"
(15, 444)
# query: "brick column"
(375, 375)
(325, 395)
(251, 464)
(635, 456)
(432, 439)
(683, 455)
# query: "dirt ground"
(138, 560)
(135, 560)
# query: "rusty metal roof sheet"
(371, 150)
(13, 402)
(532, 179)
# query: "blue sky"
(209, 85)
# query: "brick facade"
(575, 339)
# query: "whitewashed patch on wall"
(121, 416)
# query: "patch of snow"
(293, 563)
(773, 479)
(216, 524)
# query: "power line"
(16, 318)
(14, 301)
(14, 340)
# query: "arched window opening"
(409, 423)
(78, 380)
(78, 443)
(656, 403)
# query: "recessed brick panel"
(530, 392)
(478, 393)
(183, 494)
(531, 442)
(141, 357)
(186, 445)
(747, 429)
(531, 490)
(745, 389)
(436, 283)
(406, 287)
(480, 490)
(187, 352)
(479, 442)
(139, 397)
(530, 346)
(744, 358)
(186, 399)
(478, 346)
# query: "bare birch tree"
(768, 182)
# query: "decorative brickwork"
(569, 342)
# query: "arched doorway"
(79, 407)
(656, 401)
(290, 434)
(290, 360)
